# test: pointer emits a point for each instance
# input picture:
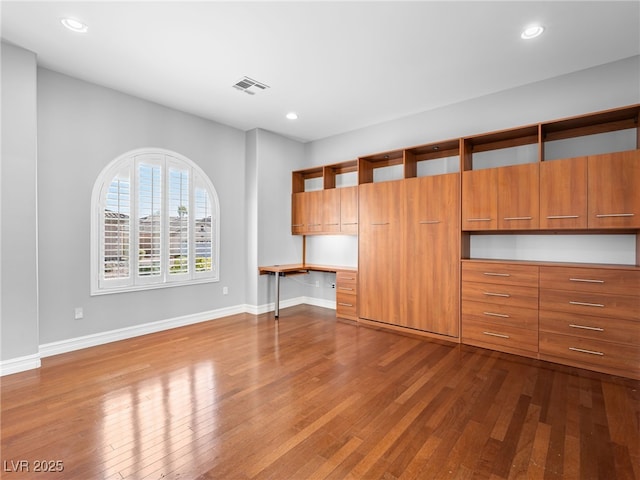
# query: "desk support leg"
(277, 312)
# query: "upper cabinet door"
(519, 197)
(349, 210)
(331, 211)
(614, 190)
(563, 194)
(314, 206)
(298, 214)
(480, 199)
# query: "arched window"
(154, 223)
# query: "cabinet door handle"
(556, 217)
(333, 224)
(582, 350)
(380, 223)
(492, 294)
(586, 280)
(479, 219)
(584, 327)
(345, 304)
(584, 304)
(428, 222)
(350, 223)
(602, 215)
(518, 218)
(491, 334)
(492, 274)
(501, 315)
(315, 224)
(297, 225)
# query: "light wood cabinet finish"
(518, 197)
(382, 274)
(349, 210)
(591, 280)
(433, 237)
(347, 295)
(614, 190)
(563, 194)
(507, 295)
(500, 273)
(480, 199)
(596, 328)
(331, 211)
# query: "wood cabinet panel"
(594, 304)
(518, 197)
(596, 328)
(614, 192)
(500, 337)
(432, 294)
(500, 273)
(381, 274)
(588, 353)
(591, 280)
(563, 194)
(526, 297)
(480, 199)
(298, 214)
(349, 210)
(526, 318)
(331, 210)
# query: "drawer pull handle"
(603, 215)
(582, 350)
(345, 304)
(479, 219)
(348, 278)
(518, 218)
(345, 288)
(584, 304)
(491, 294)
(584, 327)
(428, 222)
(333, 224)
(315, 224)
(491, 334)
(350, 223)
(585, 280)
(380, 223)
(298, 225)
(491, 274)
(558, 217)
(491, 314)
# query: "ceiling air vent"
(249, 85)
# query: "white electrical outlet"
(225, 290)
(79, 313)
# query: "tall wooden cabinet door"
(380, 250)
(349, 210)
(563, 193)
(331, 211)
(314, 210)
(298, 214)
(519, 197)
(614, 190)
(433, 252)
(480, 199)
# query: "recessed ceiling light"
(292, 116)
(74, 25)
(532, 32)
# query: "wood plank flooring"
(309, 397)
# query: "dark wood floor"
(311, 398)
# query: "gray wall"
(82, 127)
(18, 227)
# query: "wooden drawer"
(595, 328)
(593, 354)
(346, 278)
(346, 305)
(499, 337)
(596, 304)
(500, 273)
(592, 280)
(507, 295)
(526, 318)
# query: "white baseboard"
(19, 364)
(29, 362)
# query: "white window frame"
(197, 180)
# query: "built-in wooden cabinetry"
(347, 294)
(416, 219)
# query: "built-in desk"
(297, 269)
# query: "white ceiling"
(340, 65)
